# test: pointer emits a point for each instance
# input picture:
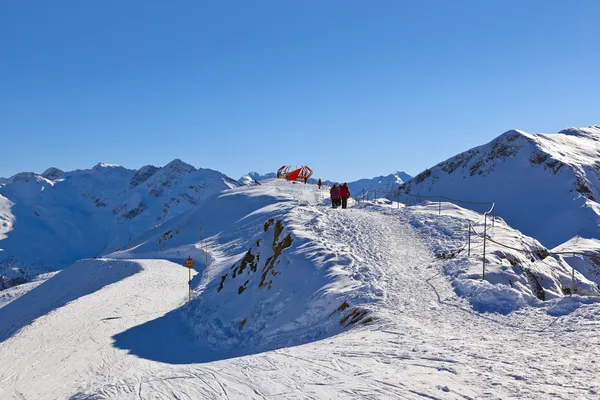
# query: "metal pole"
(484, 237)
(493, 215)
(572, 280)
(189, 285)
(469, 239)
(440, 206)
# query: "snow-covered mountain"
(388, 183)
(49, 221)
(252, 176)
(546, 185)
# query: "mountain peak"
(53, 173)
(103, 165)
(179, 165)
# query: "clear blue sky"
(351, 88)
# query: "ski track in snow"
(426, 343)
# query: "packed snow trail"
(425, 342)
(69, 345)
(524, 354)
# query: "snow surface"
(546, 185)
(119, 327)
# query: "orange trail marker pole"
(189, 263)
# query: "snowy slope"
(49, 221)
(268, 286)
(121, 328)
(519, 272)
(546, 185)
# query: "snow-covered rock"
(546, 185)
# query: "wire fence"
(413, 200)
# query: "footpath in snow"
(120, 328)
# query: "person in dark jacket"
(344, 194)
(319, 183)
(335, 195)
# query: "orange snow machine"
(301, 174)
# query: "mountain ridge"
(539, 182)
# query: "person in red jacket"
(344, 194)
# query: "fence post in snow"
(484, 237)
(440, 206)
(469, 254)
(572, 279)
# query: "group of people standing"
(339, 195)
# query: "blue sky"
(351, 88)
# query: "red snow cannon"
(301, 174)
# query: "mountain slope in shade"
(49, 221)
(546, 185)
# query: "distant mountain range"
(55, 218)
